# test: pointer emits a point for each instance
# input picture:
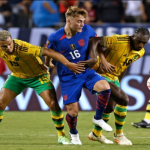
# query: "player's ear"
(68, 20)
(133, 36)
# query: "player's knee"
(106, 86)
(124, 100)
(53, 105)
(101, 86)
(74, 114)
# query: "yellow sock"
(58, 119)
(1, 115)
(147, 115)
(120, 115)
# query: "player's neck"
(69, 32)
(131, 44)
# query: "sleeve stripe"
(41, 50)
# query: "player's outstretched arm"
(92, 53)
(76, 68)
(104, 65)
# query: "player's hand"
(148, 83)
(76, 68)
(88, 63)
(51, 65)
(106, 67)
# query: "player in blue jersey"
(72, 41)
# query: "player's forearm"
(59, 57)
(55, 55)
(101, 53)
(92, 49)
(99, 45)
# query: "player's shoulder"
(142, 51)
(18, 42)
(21, 46)
(123, 37)
(56, 35)
(138, 54)
(87, 27)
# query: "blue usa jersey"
(74, 49)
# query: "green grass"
(35, 131)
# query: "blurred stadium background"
(22, 19)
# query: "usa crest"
(81, 42)
(65, 97)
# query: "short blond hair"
(4, 35)
(74, 11)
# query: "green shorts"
(116, 82)
(39, 83)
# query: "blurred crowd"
(51, 13)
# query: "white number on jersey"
(75, 54)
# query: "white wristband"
(47, 67)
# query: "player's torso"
(121, 55)
(21, 63)
(75, 48)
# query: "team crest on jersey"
(17, 59)
(135, 57)
(81, 42)
(72, 46)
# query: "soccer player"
(72, 41)
(145, 123)
(119, 53)
(23, 59)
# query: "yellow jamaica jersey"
(118, 52)
(25, 61)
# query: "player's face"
(7, 46)
(77, 23)
(139, 41)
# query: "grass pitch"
(36, 131)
